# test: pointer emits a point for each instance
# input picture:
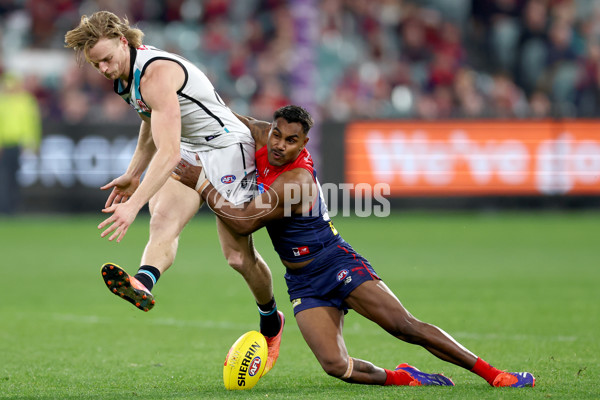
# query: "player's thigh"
(173, 206)
(236, 248)
(321, 328)
(375, 301)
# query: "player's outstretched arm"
(284, 198)
(291, 193)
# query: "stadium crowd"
(429, 59)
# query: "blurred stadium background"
(449, 77)
(453, 104)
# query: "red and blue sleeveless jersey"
(297, 237)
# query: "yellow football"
(245, 361)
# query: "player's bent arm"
(258, 129)
(159, 88)
(285, 197)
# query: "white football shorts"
(231, 170)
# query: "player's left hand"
(123, 215)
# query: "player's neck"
(124, 77)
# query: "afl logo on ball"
(228, 179)
(254, 366)
(342, 274)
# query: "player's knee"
(334, 367)
(164, 238)
(161, 224)
(235, 261)
(240, 261)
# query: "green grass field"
(518, 289)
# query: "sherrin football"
(245, 361)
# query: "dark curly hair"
(297, 114)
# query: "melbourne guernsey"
(297, 237)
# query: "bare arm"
(144, 151)
(293, 192)
(125, 185)
(159, 86)
(258, 129)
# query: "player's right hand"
(191, 175)
(122, 188)
(122, 217)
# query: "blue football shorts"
(328, 279)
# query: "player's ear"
(306, 139)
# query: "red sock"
(485, 370)
(397, 378)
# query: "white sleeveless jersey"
(206, 122)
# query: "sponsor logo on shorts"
(228, 179)
(244, 182)
(342, 275)
(300, 251)
(254, 366)
(296, 302)
(348, 279)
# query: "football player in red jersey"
(325, 276)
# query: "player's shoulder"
(161, 67)
(163, 72)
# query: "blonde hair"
(101, 24)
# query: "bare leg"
(375, 301)
(243, 257)
(171, 208)
(322, 331)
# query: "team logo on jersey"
(228, 179)
(342, 275)
(300, 251)
(142, 105)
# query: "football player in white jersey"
(182, 116)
